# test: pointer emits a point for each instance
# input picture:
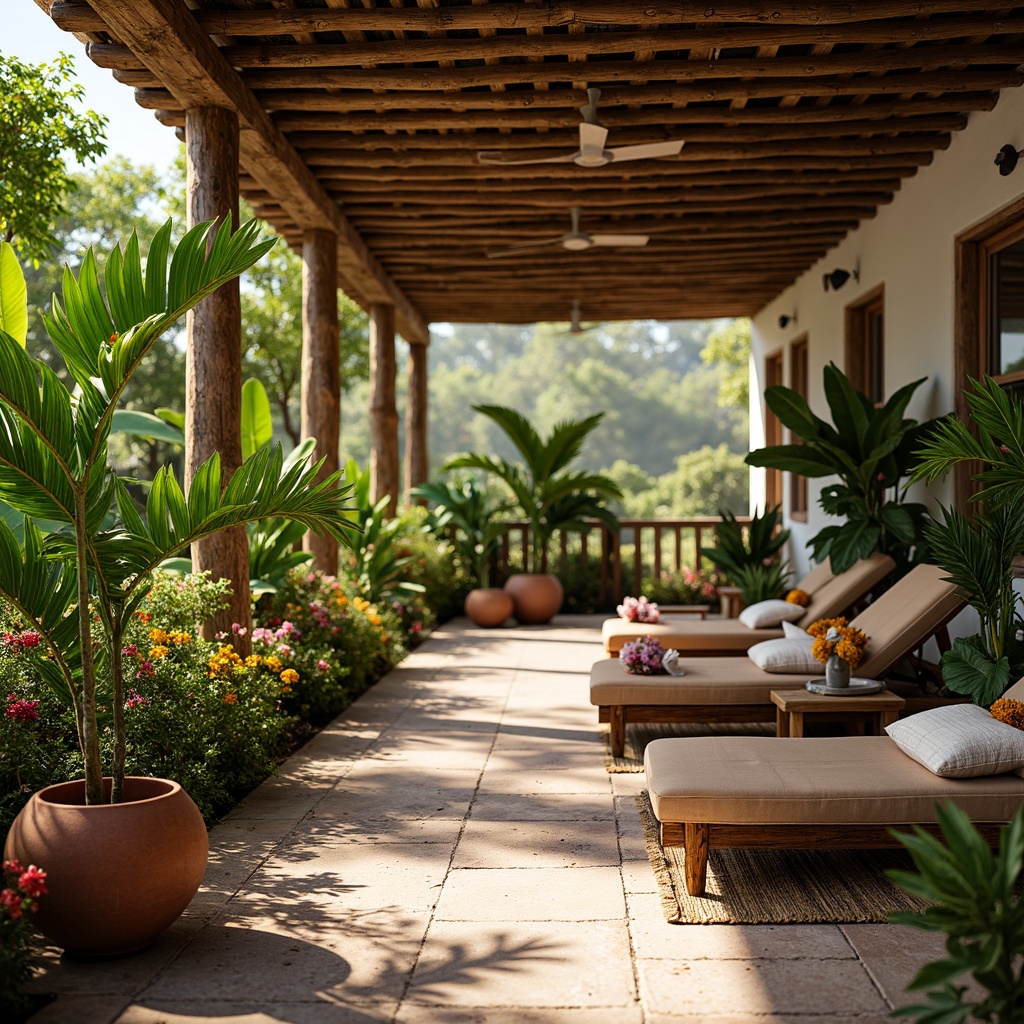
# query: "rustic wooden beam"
(417, 461)
(550, 14)
(213, 361)
(383, 407)
(164, 35)
(320, 400)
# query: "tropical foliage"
(53, 466)
(872, 451)
(548, 493)
(749, 557)
(978, 552)
(977, 907)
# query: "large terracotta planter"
(117, 875)
(537, 596)
(488, 606)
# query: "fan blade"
(514, 250)
(592, 139)
(647, 151)
(636, 240)
(589, 109)
(496, 159)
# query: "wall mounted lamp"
(838, 278)
(1006, 159)
(785, 321)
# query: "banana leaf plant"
(750, 558)
(548, 493)
(53, 466)
(871, 450)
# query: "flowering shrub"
(688, 586)
(1010, 711)
(638, 609)
(799, 597)
(834, 636)
(19, 899)
(643, 657)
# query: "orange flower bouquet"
(838, 647)
(799, 597)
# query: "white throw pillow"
(768, 614)
(784, 655)
(959, 741)
(793, 632)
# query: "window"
(773, 431)
(865, 344)
(798, 382)
(989, 324)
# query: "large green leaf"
(793, 458)
(852, 542)
(13, 295)
(850, 409)
(257, 425)
(793, 411)
(146, 425)
(968, 670)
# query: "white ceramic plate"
(857, 688)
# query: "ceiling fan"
(575, 240)
(592, 153)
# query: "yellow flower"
(1010, 711)
(252, 661)
(159, 651)
(230, 698)
(822, 626)
(289, 675)
(374, 618)
(799, 597)
(158, 636)
(224, 662)
(182, 638)
(273, 663)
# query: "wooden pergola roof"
(366, 117)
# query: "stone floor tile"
(628, 784)
(280, 800)
(319, 831)
(548, 780)
(638, 877)
(532, 894)
(190, 1011)
(551, 756)
(536, 844)
(82, 1009)
(541, 738)
(654, 938)
(372, 803)
(765, 1018)
(476, 720)
(410, 1014)
(542, 807)
(578, 964)
(758, 986)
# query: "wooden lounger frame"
(700, 838)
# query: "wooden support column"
(417, 461)
(213, 387)
(321, 376)
(383, 410)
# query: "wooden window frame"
(859, 359)
(774, 370)
(799, 490)
(972, 315)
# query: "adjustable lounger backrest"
(839, 593)
(906, 615)
(815, 579)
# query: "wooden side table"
(791, 706)
(732, 601)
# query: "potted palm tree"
(465, 514)
(549, 494)
(123, 855)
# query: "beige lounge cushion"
(761, 780)
(767, 614)
(836, 595)
(960, 741)
(785, 655)
(791, 631)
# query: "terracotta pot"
(488, 606)
(537, 596)
(117, 875)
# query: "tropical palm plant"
(548, 493)
(750, 558)
(53, 466)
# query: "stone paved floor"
(452, 850)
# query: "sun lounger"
(830, 596)
(730, 792)
(734, 689)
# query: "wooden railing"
(643, 547)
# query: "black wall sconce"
(838, 278)
(785, 321)
(1006, 159)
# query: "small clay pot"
(537, 596)
(117, 875)
(488, 607)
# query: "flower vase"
(837, 672)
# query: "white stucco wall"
(909, 247)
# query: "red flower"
(22, 710)
(11, 902)
(32, 882)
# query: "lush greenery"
(549, 494)
(748, 556)
(978, 551)
(40, 124)
(872, 451)
(54, 467)
(688, 586)
(977, 908)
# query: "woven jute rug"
(640, 734)
(779, 886)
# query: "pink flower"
(22, 710)
(323, 665)
(416, 627)
(638, 609)
(32, 882)
(30, 639)
(131, 650)
(11, 902)
(238, 629)
(284, 650)
(136, 700)
(1003, 448)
